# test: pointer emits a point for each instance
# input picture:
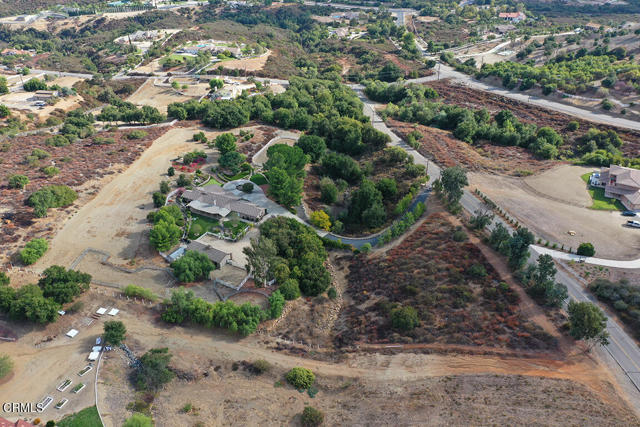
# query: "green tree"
(30, 304)
(62, 285)
(453, 180)
(519, 247)
(404, 318)
(154, 372)
(4, 111)
(231, 161)
(164, 188)
(226, 143)
(388, 188)
(34, 85)
(158, 199)
(4, 279)
(301, 378)
(33, 251)
(138, 420)
(286, 189)
(312, 145)
(3, 86)
(586, 249)
(587, 322)
(216, 84)
(171, 171)
(164, 235)
(51, 196)
(328, 191)
(192, 266)
(365, 206)
(290, 289)
(276, 304)
(261, 254)
(114, 332)
(311, 417)
(18, 181)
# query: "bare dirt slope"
(115, 220)
(365, 389)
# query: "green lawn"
(259, 179)
(213, 181)
(200, 225)
(600, 202)
(88, 417)
(240, 175)
(236, 227)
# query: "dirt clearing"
(159, 93)
(115, 220)
(250, 64)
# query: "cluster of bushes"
(289, 252)
(623, 297)
(33, 85)
(40, 303)
(572, 74)
(194, 156)
(396, 92)
(51, 196)
(305, 105)
(18, 181)
(192, 266)
(127, 112)
(133, 291)
(166, 231)
(477, 125)
(243, 319)
(230, 159)
(33, 251)
(400, 226)
(77, 124)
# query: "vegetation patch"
(86, 417)
(431, 288)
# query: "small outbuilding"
(72, 333)
(93, 356)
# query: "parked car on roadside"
(634, 224)
(629, 213)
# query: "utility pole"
(439, 64)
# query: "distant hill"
(21, 7)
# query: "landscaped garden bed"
(231, 230)
(85, 370)
(60, 404)
(64, 385)
(78, 388)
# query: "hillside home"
(620, 183)
(512, 16)
(214, 202)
